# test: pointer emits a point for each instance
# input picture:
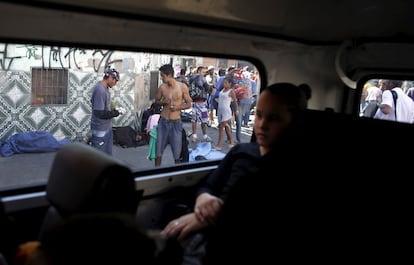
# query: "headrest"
(84, 179)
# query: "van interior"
(352, 172)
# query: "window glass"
(388, 99)
(48, 89)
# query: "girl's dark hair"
(296, 96)
(156, 108)
(228, 79)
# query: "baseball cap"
(231, 68)
(112, 72)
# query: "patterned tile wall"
(70, 121)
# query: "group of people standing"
(173, 95)
(384, 99)
(223, 102)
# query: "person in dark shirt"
(277, 129)
(199, 104)
(145, 115)
(182, 78)
(103, 110)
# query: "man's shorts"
(200, 112)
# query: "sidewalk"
(136, 158)
(33, 168)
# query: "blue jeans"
(243, 108)
(246, 116)
(169, 132)
(103, 143)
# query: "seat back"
(7, 244)
(85, 180)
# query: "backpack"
(196, 91)
(394, 98)
(127, 137)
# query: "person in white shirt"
(372, 99)
(402, 110)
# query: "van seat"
(85, 180)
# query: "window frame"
(46, 90)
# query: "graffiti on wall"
(85, 70)
(56, 57)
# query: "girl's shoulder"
(249, 149)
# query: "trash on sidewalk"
(203, 151)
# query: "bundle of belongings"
(127, 137)
(31, 142)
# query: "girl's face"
(272, 119)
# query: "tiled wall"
(70, 121)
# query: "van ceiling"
(317, 21)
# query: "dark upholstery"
(7, 242)
(85, 180)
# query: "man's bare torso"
(172, 95)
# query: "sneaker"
(207, 139)
(194, 140)
(231, 146)
(218, 148)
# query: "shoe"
(231, 146)
(208, 139)
(194, 140)
(217, 148)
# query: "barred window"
(49, 86)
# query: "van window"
(388, 99)
(46, 91)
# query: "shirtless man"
(174, 97)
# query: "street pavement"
(33, 168)
(136, 158)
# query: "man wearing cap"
(103, 112)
